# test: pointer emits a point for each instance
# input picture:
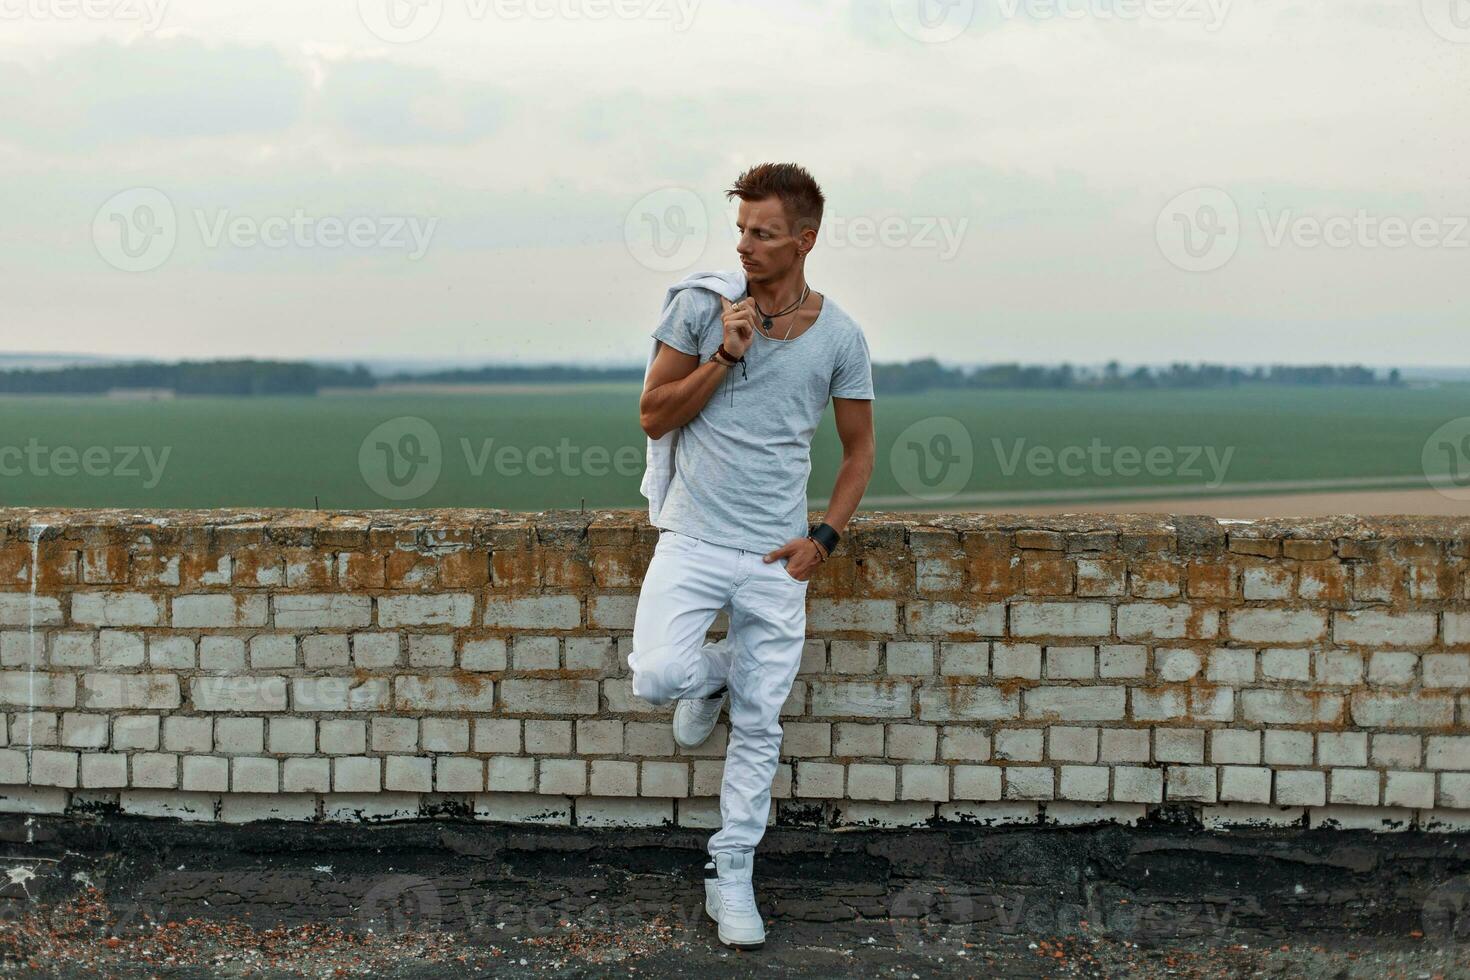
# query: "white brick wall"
(961, 678)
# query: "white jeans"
(688, 582)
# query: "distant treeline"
(242, 377)
(252, 377)
(926, 374)
(517, 374)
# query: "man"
(743, 381)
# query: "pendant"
(766, 322)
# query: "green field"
(956, 447)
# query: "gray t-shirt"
(741, 465)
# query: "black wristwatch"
(825, 535)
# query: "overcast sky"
(495, 180)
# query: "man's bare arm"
(677, 389)
(854, 417)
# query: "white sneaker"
(694, 719)
(729, 899)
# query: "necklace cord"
(766, 322)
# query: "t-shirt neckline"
(821, 312)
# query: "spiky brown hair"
(799, 194)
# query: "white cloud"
(1053, 141)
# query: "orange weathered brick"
(563, 569)
(994, 575)
(933, 542)
(410, 570)
(1306, 550)
(881, 578)
(1325, 581)
(1047, 576)
(1153, 579)
(361, 569)
(1265, 547)
(259, 567)
(618, 568)
(59, 564)
(938, 575)
(107, 565)
(152, 569)
(1100, 576)
(469, 568)
(307, 568)
(1381, 581)
(15, 563)
(1211, 579)
(1430, 580)
(1041, 540)
(985, 543)
(210, 569)
(1358, 550)
(1418, 549)
(514, 569)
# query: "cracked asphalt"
(137, 898)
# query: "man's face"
(767, 246)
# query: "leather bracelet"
(720, 354)
(825, 535)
